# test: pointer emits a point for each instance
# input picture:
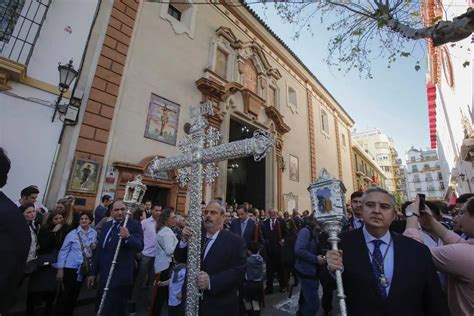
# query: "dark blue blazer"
(415, 288)
(225, 264)
(272, 238)
(249, 234)
(15, 243)
(123, 273)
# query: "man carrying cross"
(223, 261)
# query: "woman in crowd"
(166, 242)
(455, 258)
(29, 212)
(77, 249)
(42, 285)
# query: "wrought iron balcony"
(20, 26)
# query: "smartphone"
(421, 198)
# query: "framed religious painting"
(294, 169)
(84, 176)
(290, 202)
(162, 120)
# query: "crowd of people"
(416, 260)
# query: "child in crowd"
(253, 286)
(176, 282)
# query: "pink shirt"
(456, 259)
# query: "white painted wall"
(55, 44)
(450, 101)
(26, 130)
(29, 137)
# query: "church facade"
(158, 59)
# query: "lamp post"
(67, 74)
(463, 176)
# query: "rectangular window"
(414, 168)
(440, 176)
(343, 140)
(221, 63)
(441, 186)
(379, 145)
(292, 99)
(324, 121)
(174, 12)
(9, 12)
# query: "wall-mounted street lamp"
(67, 74)
(463, 177)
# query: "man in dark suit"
(385, 273)
(246, 227)
(14, 241)
(356, 220)
(223, 262)
(122, 278)
(274, 232)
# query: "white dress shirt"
(388, 263)
(357, 222)
(149, 237)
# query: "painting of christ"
(162, 120)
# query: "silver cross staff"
(200, 154)
(327, 199)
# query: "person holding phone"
(455, 258)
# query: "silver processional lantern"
(134, 192)
(327, 199)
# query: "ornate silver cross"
(200, 153)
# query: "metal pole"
(333, 229)
(56, 107)
(194, 245)
(112, 267)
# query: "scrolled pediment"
(227, 33)
(277, 118)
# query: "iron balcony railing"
(20, 26)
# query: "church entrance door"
(245, 176)
(157, 195)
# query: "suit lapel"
(397, 265)
(213, 248)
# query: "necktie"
(377, 266)
(272, 222)
(113, 230)
(206, 243)
(242, 228)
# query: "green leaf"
(466, 64)
(417, 67)
(405, 54)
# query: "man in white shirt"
(146, 271)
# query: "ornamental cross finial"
(198, 162)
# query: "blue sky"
(393, 101)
